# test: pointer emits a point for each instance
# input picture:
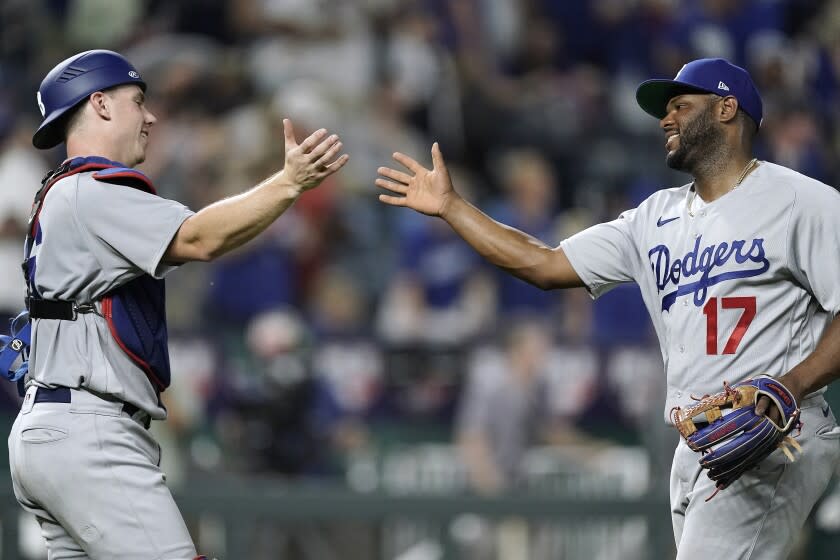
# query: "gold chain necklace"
(750, 164)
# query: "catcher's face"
(135, 123)
(690, 130)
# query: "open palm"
(424, 190)
(313, 160)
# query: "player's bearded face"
(696, 137)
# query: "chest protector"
(136, 310)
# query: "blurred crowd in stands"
(350, 328)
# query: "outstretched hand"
(424, 190)
(313, 160)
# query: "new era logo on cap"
(723, 86)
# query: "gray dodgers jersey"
(96, 236)
(746, 286)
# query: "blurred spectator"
(327, 41)
(793, 139)
(711, 28)
(347, 364)
(620, 317)
(123, 20)
(634, 374)
(264, 399)
(258, 278)
(531, 191)
(412, 66)
(185, 443)
(21, 171)
(518, 396)
(440, 295)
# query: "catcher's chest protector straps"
(135, 311)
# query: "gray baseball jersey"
(743, 285)
(746, 285)
(97, 236)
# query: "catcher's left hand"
(731, 435)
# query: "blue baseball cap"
(705, 75)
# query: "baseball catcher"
(91, 349)
(732, 431)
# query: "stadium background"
(339, 382)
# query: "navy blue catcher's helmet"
(71, 82)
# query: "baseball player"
(99, 245)
(738, 270)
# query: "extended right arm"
(232, 222)
(431, 192)
(518, 253)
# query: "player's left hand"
(765, 406)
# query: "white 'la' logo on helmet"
(134, 74)
(41, 104)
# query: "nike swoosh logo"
(660, 222)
